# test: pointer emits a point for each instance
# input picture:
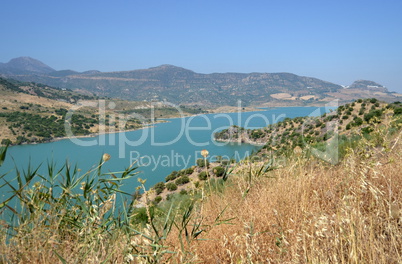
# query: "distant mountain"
(364, 84)
(182, 86)
(25, 65)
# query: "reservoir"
(158, 149)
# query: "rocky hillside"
(352, 119)
(34, 113)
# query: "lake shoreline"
(229, 110)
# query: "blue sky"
(338, 41)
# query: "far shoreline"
(229, 109)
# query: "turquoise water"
(159, 150)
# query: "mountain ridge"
(178, 85)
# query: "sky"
(338, 41)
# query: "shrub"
(171, 186)
(358, 121)
(202, 176)
(189, 170)
(157, 199)
(182, 180)
(371, 114)
(173, 175)
(219, 171)
(159, 187)
(5, 141)
(181, 172)
(398, 111)
(183, 192)
(367, 130)
(201, 163)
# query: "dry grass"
(309, 212)
(304, 212)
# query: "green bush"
(173, 175)
(159, 187)
(171, 186)
(182, 180)
(5, 141)
(202, 176)
(157, 199)
(183, 192)
(358, 121)
(189, 170)
(372, 114)
(398, 111)
(201, 163)
(219, 171)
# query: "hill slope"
(33, 112)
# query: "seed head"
(105, 157)
(204, 153)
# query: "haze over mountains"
(183, 86)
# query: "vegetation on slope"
(347, 121)
(35, 113)
(303, 211)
